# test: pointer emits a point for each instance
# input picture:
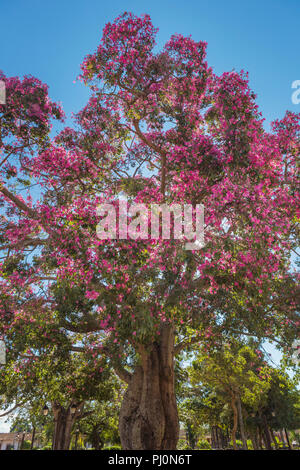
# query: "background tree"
(237, 374)
(39, 372)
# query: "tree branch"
(20, 204)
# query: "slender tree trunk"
(287, 438)
(260, 440)
(227, 438)
(148, 417)
(63, 423)
(214, 437)
(282, 437)
(22, 441)
(223, 439)
(76, 441)
(241, 422)
(273, 438)
(97, 442)
(218, 436)
(32, 438)
(235, 422)
(213, 440)
(267, 434)
(254, 440)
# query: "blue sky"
(49, 39)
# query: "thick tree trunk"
(63, 423)
(148, 417)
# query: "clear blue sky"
(49, 38)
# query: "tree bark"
(287, 438)
(213, 440)
(220, 437)
(273, 438)
(63, 423)
(267, 434)
(241, 422)
(254, 440)
(148, 418)
(32, 438)
(235, 423)
(76, 440)
(217, 437)
(22, 441)
(282, 437)
(260, 439)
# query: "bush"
(115, 447)
(26, 445)
(203, 444)
(250, 444)
(183, 445)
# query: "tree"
(39, 373)
(100, 424)
(158, 128)
(237, 374)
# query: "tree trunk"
(32, 438)
(282, 437)
(22, 441)
(220, 437)
(241, 421)
(287, 438)
(76, 440)
(235, 423)
(273, 438)
(260, 439)
(63, 423)
(254, 440)
(96, 440)
(267, 434)
(217, 437)
(213, 440)
(148, 417)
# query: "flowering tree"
(160, 127)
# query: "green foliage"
(203, 444)
(99, 423)
(26, 445)
(115, 447)
(183, 445)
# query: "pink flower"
(92, 294)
